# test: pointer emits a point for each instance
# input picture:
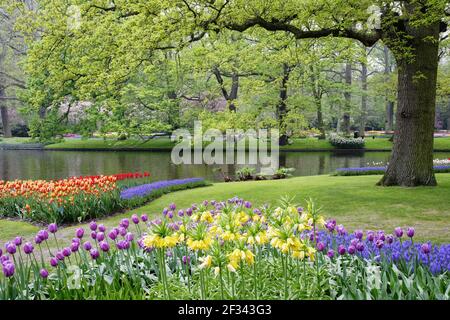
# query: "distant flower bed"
(364, 171)
(143, 193)
(346, 143)
(80, 198)
(225, 250)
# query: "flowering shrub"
(346, 143)
(225, 250)
(364, 171)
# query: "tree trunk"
(320, 124)
(363, 120)
(317, 93)
(411, 162)
(348, 100)
(5, 116)
(233, 93)
(282, 106)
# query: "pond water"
(38, 164)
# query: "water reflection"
(34, 164)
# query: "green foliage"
(48, 129)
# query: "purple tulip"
(93, 226)
(189, 212)
(360, 246)
(100, 236)
(129, 237)
(66, 252)
(112, 235)
(426, 248)
(181, 213)
(144, 218)
(52, 228)
(320, 246)
(94, 235)
(43, 234)
(54, 262)
(354, 241)
(410, 232)
(170, 214)
(28, 248)
(381, 236)
(341, 250)
(122, 231)
(38, 240)
(390, 238)
(18, 241)
(398, 232)
(74, 246)
(3, 259)
(172, 206)
(341, 230)
(186, 260)
(164, 212)
(352, 249)
(11, 248)
(1, 252)
(300, 210)
(8, 269)
(79, 233)
(330, 253)
(104, 246)
(370, 236)
(94, 254)
(379, 244)
(76, 240)
(135, 219)
(43, 273)
(87, 246)
(101, 228)
(124, 223)
(359, 234)
(247, 204)
(60, 256)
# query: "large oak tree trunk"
(411, 162)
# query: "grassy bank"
(353, 201)
(308, 144)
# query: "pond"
(38, 164)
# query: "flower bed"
(226, 250)
(346, 143)
(364, 171)
(81, 198)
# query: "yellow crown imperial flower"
(199, 244)
(206, 262)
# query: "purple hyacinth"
(146, 189)
(52, 228)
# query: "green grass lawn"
(14, 140)
(353, 201)
(166, 144)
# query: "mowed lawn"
(353, 201)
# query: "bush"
(20, 130)
(346, 143)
